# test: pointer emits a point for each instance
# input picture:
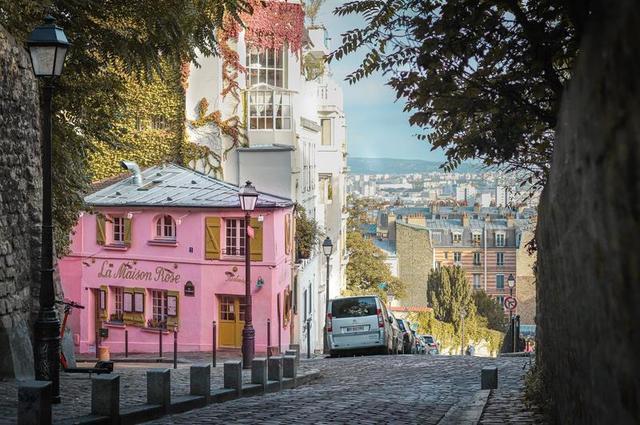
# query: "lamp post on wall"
(511, 282)
(248, 198)
(327, 249)
(47, 48)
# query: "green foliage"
(480, 79)
(111, 41)
(448, 335)
(490, 309)
(306, 233)
(313, 67)
(449, 294)
(536, 396)
(358, 209)
(366, 269)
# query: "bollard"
(175, 349)
(275, 369)
(259, 371)
(289, 367)
(34, 402)
(293, 353)
(126, 343)
(233, 375)
(489, 378)
(213, 351)
(159, 387)
(105, 396)
(200, 380)
(268, 339)
(160, 342)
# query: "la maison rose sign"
(128, 272)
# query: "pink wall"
(87, 267)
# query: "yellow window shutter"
(287, 234)
(100, 230)
(256, 242)
(172, 321)
(127, 231)
(212, 238)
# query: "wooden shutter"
(100, 230)
(212, 238)
(127, 231)
(256, 242)
(287, 234)
(172, 321)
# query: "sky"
(376, 125)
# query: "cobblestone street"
(357, 390)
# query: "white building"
(502, 196)
(295, 147)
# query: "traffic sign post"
(510, 303)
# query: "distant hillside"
(401, 166)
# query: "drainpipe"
(133, 167)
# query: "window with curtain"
(234, 236)
(159, 299)
(166, 228)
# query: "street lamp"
(248, 198)
(327, 249)
(511, 282)
(463, 314)
(47, 47)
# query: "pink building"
(164, 250)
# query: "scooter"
(100, 367)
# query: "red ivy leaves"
(273, 24)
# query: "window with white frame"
(457, 257)
(326, 132)
(117, 226)
(436, 237)
(500, 258)
(159, 310)
(269, 110)
(500, 300)
(166, 228)
(266, 66)
(235, 236)
(457, 237)
(477, 281)
(500, 239)
(477, 238)
(476, 258)
(499, 281)
(118, 294)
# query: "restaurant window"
(166, 228)
(118, 298)
(117, 234)
(235, 236)
(160, 302)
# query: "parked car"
(408, 340)
(398, 334)
(432, 345)
(359, 324)
(421, 347)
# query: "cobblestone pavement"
(369, 390)
(406, 389)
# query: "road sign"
(510, 303)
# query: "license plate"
(360, 328)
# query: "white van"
(359, 324)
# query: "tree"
(449, 293)
(359, 209)
(110, 41)
(306, 236)
(311, 9)
(366, 269)
(490, 309)
(482, 79)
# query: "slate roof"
(171, 185)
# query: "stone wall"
(20, 202)
(415, 259)
(526, 281)
(589, 232)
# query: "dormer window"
(500, 239)
(457, 237)
(166, 228)
(477, 238)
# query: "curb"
(467, 411)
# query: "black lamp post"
(47, 47)
(327, 249)
(511, 282)
(463, 314)
(248, 199)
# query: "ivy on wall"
(153, 124)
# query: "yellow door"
(231, 321)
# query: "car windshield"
(401, 325)
(353, 307)
(428, 339)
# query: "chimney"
(487, 218)
(133, 167)
(465, 220)
(510, 220)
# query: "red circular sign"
(510, 303)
